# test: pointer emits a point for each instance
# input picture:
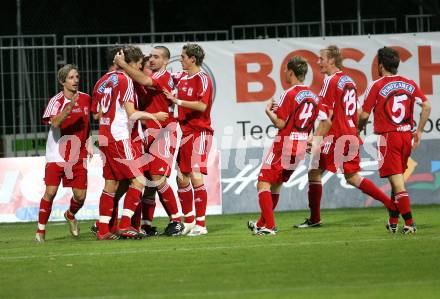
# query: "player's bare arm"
(194, 105)
(270, 111)
(424, 115)
(324, 125)
(134, 73)
(362, 120)
(58, 119)
(134, 114)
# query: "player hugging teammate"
(135, 102)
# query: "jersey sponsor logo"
(113, 79)
(404, 128)
(306, 94)
(397, 85)
(344, 80)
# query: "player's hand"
(160, 116)
(309, 144)
(119, 58)
(89, 147)
(271, 105)
(417, 136)
(74, 99)
(68, 108)
(169, 95)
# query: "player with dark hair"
(294, 116)
(162, 136)
(122, 157)
(392, 98)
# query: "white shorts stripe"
(127, 150)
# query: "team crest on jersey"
(345, 80)
(396, 86)
(113, 78)
(304, 94)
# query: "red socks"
(169, 200)
(403, 202)
(368, 187)
(315, 194)
(275, 199)
(136, 219)
(131, 201)
(186, 201)
(74, 208)
(266, 206)
(43, 214)
(106, 203)
(200, 202)
(148, 207)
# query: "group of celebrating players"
(334, 145)
(134, 103)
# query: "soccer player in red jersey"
(340, 147)
(194, 101)
(162, 136)
(116, 97)
(294, 116)
(66, 152)
(392, 99)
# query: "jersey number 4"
(306, 113)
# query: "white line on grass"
(210, 248)
(278, 289)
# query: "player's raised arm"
(134, 73)
(58, 119)
(270, 111)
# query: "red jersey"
(299, 107)
(392, 98)
(197, 87)
(156, 101)
(137, 133)
(59, 149)
(110, 94)
(339, 94)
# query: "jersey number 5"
(398, 106)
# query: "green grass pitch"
(351, 256)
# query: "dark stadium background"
(113, 16)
